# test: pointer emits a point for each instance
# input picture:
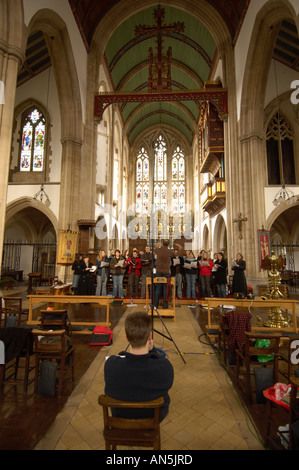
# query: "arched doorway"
(284, 234)
(30, 242)
(220, 236)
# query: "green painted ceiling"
(126, 54)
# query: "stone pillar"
(71, 184)
(110, 170)
(252, 176)
(11, 56)
(110, 162)
(70, 192)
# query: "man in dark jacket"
(146, 270)
(77, 267)
(142, 373)
(164, 255)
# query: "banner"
(67, 247)
(264, 245)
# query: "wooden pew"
(251, 304)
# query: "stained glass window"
(33, 142)
(142, 182)
(176, 188)
(178, 181)
(160, 175)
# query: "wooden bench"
(70, 299)
(290, 305)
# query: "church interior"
(124, 123)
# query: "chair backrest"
(11, 307)
(55, 320)
(271, 350)
(112, 422)
(49, 342)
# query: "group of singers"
(92, 279)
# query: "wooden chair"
(290, 406)
(131, 432)
(55, 320)
(231, 333)
(249, 356)
(11, 311)
(53, 346)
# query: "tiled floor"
(204, 413)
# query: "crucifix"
(159, 80)
(160, 68)
(239, 221)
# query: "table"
(17, 275)
(32, 276)
(70, 299)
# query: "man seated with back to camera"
(141, 373)
(163, 263)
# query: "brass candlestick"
(276, 318)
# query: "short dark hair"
(166, 242)
(138, 327)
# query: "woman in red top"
(205, 272)
(134, 264)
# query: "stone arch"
(101, 232)
(115, 236)
(30, 237)
(123, 10)
(18, 205)
(250, 179)
(205, 238)
(67, 83)
(258, 63)
(220, 235)
(284, 230)
(206, 14)
(62, 59)
(278, 211)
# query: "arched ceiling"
(157, 49)
(89, 13)
(181, 49)
(182, 52)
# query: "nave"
(207, 412)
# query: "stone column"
(253, 180)
(71, 184)
(110, 171)
(70, 192)
(11, 56)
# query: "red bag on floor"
(101, 336)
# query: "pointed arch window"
(142, 181)
(280, 158)
(33, 134)
(171, 189)
(160, 174)
(178, 181)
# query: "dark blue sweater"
(138, 378)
